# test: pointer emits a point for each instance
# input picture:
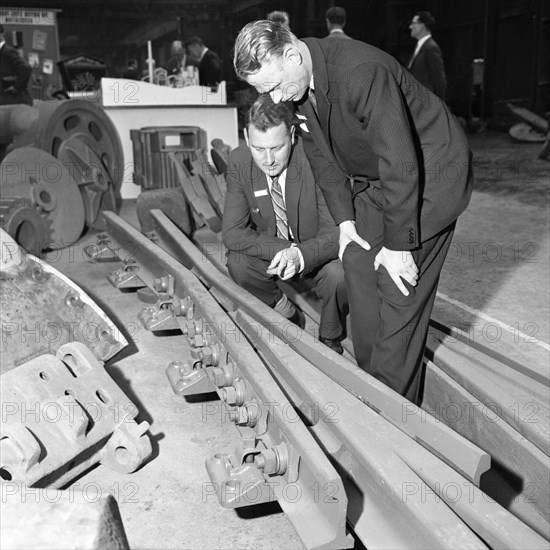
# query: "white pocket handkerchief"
(261, 193)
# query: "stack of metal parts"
(62, 167)
(395, 473)
(61, 411)
(176, 177)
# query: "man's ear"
(245, 132)
(293, 55)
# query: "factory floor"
(494, 284)
(169, 503)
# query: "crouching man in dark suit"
(276, 223)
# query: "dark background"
(512, 37)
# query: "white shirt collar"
(282, 181)
(422, 40)
(203, 53)
(336, 30)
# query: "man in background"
(335, 18)
(276, 224)
(426, 63)
(15, 73)
(176, 63)
(280, 17)
(208, 62)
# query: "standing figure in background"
(280, 17)
(15, 73)
(176, 63)
(336, 21)
(209, 63)
(132, 70)
(426, 63)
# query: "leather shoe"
(333, 343)
(298, 319)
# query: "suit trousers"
(328, 281)
(389, 329)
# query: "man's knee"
(238, 267)
(331, 279)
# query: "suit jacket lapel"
(293, 189)
(320, 127)
(261, 196)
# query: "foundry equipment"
(62, 166)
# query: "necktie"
(279, 208)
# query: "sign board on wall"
(33, 32)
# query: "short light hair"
(177, 47)
(256, 43)
(264, 114)
(336, 15)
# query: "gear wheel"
(35, 175)
(23, 221)
(81, 136)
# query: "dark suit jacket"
(428, 68)
(210, 69)
(378, 123)
(249, 225)
(14, 71)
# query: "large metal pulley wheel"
(43, 180)
(81, 136)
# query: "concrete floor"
(168, 503)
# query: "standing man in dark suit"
(209, 64)
(276, 224)
(395, 169)
(14, 75)
(335, 18)
(426, 63)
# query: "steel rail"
(415, 500)
(277, 458)
(421, 426)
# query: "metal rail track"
(276, 459)
(396, 488)
(435, 436)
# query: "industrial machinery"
(62, 167)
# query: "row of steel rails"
(338, 450)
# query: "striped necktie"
(279, 208)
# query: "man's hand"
(400, 265)
(348, 233)
(286, 263)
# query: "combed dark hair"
(280, 17)
(264, 114)
(194, 40)
(256, 43)
(336, 15)
(427, 18)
